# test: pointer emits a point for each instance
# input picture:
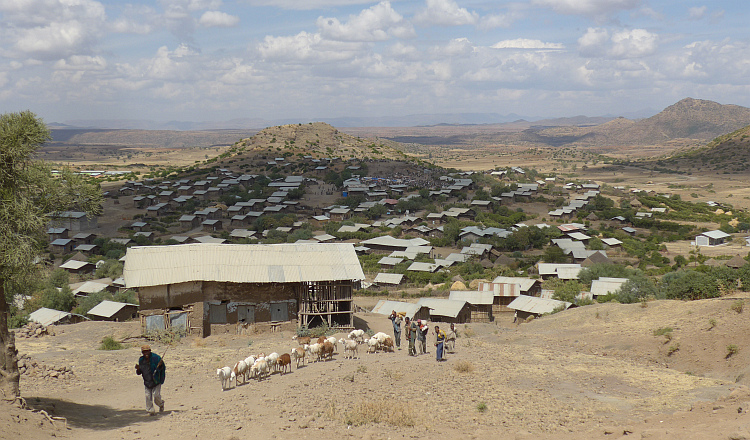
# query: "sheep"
(333, 341)
(298, 354)
(302, 340)
(260, 369)
(321, 340)
(314, 350)
(224, 375)
(327, 350)
(250, 360)
(272, 360)
(388, 344)
(349, 347)
(239, 369)
(372, 345)
(284, 361)
(357, 335)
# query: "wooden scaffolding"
(328, 302)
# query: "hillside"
(144, 138)
(316, 139)
(693, 119)
(727, 153)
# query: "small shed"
(113, 311)
(410, 310)
(45, 317)
(527, 306)
(711, 238)
(389, 279)
(481, 302)
(606, 285)
(447, 310)
(75, 266)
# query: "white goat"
(357, 335)
(333, 341)
(350, 347)
(260, 369)
(315, 350)
(272, 361)
(373, 344)
(225, 376)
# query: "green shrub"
(738, 305)
(732, 349)
(109, 343)
(481, 407)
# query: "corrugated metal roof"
(108, 308)
(389, 278)
(605, 285)
(385, 307)
(418, 266)
(473, 297)
(554, 268)
(442, 307)
(74, 264)
(90, 287)
(390, 261)
(47, 316)
(716, 234)
(241, 263)
(535, 305)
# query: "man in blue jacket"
(152, 369)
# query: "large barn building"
(220, 284)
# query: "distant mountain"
(689, 118)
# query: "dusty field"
(593, 372)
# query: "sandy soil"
(593, 372)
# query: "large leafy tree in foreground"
(28, 193)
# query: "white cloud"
(445, 13)
(401, 50)
(306, 47)
(590, 8)
(697, 12)
(305, 4)
(51, 29)
(634, 43)
(496, 21)
(523, 43)
(82, 62)
(377, 23)
(218, 19)
(457, 47)
(134, 19)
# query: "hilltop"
(316, 139)
(727, 153)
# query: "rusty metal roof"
(241, 263)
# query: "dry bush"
(738, 305)
(381, 411)
(468, 332)
(530, 318)
(393, 374)
(463, 366)
(198, 342)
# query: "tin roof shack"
(606, 285)
(481, 302)
(529, 286)
(446, 310)
(410, 310)
(113, 311)
(527, 306)
(711, 238)
(228, 284)
(47, 317)
(75, 221)
(504, 294)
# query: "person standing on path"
(422, 336)
(450, 340)
(151, 367)
(396, 319)
(412, 335)
(439, 341)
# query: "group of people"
(416, 335)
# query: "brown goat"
(284, 361)
(326, 351)
(302, 340)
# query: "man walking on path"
(439, 341)
(396, 319)
(422, 337)
(151, 367)
(450, 340)
(411, 333)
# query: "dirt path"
(578, 374)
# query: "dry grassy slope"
(318, 139)
(627, 331)
(730, 152)
(147, 138)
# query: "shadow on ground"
(99, 417)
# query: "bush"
(732, 349)
(481, 407)
(463, 366)
(738, 305)
(109, 343)
(385, 411)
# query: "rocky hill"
(693, 119)
(319, 140)
(728, 153)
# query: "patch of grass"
(109, 343)
(711, 323)
(674, 348)
(481, 407)
(398, 414)
(362, 369)
(468, 332)
(167, 336)
(738, 305)
(732, 349)
(664, 331)
(393, 374)
(463, 366)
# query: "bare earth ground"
(594, 372)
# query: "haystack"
(458, 285)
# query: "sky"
(217, 60)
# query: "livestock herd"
(262, 366)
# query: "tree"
(29, 193)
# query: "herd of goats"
(261, 366)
